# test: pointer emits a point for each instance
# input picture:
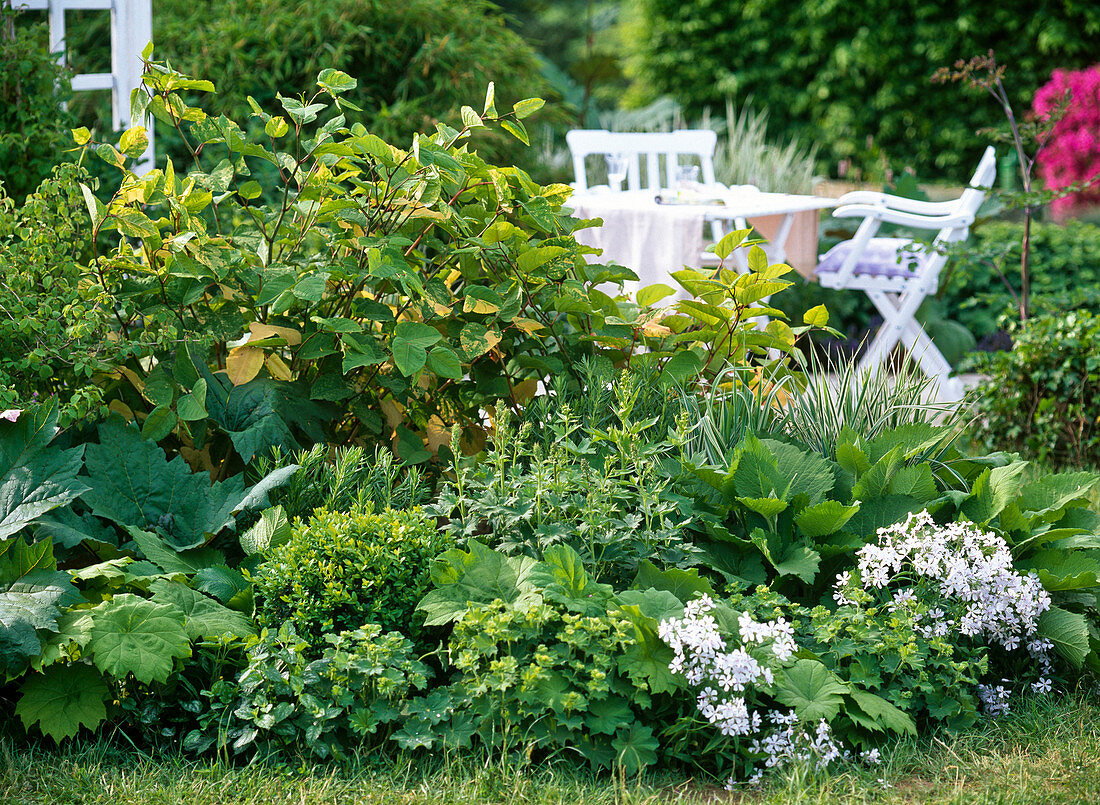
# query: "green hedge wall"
(843, 72)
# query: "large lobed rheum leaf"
(32, 591)
(34, 478)
(134, 484)
(132, 635)
(61, 699)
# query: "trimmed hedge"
(839, 73)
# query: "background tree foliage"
(33, 128)
(840, 73)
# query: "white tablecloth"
(651, 239)
(656, 239)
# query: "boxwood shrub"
(340, 570)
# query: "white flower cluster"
(702, 656)
(791, 743)
(967, 566)
(994, 699)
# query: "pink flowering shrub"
(1073, 152)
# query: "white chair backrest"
(645, 148)
(973, 196)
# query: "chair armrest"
(899, 203)
(889, 216)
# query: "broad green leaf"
(135, 224)
(134, 484)
(335, 81)
(160, 422)
(757, 474)
(61, 699)
(32, 592)
(824, 518)
(807, 472)
(1054, 492)
(875, 483)
(680, 368)
(812, 690)
(605, 716)
(34, 477)
(445, 363)
(131, 635)
(635, 748)
(410, 346)
(270, 531)
(227, 585)
(562, 578)
(656, 604)
(170, 560)
(648, 659)
(1068, 631)
(651, 294)
(1064, 570)
(879, 512)
(993, 490)
(477, 576)
(883, 714)
(765, 507)
(797, 560)
(686, 585)
(816, 316)
(134, 141)
(527, 107)
(203, 617)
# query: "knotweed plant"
(956, 581)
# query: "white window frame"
(131, 31)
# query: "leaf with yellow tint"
(243, 364)
(528, 326)
(260, 331)
(278, 368)
(525, 390)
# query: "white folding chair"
(897, 274)
(644, 151)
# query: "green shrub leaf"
(131, 635)
(61, 699)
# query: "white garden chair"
(644, 153)
(896, 273)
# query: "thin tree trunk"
(1025, 266)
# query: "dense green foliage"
(416, 62)
(1065, 263)
(844, 75)
(352, 306)
(569, 574)
(340, 570)
(34, 129)
(288, 699)
(1042, 398)
(1008, 760)
(57, 323)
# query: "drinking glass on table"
(687, 176)
(617, 165)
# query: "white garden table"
(656, 239)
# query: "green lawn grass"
(1048, 751)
